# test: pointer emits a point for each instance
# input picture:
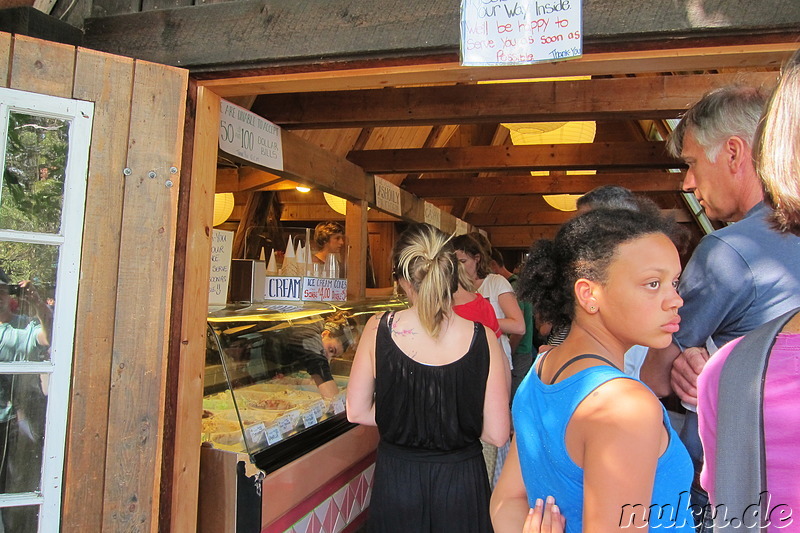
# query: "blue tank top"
(541, 414)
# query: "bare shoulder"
(623, 403)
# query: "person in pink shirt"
(777, 159)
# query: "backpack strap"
(741, 474)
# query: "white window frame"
(69, 239)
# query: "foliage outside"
(32, 193)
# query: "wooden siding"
(116, 417)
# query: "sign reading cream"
(387, 196)
(432, 214)
(244, 134)
(221, 248)
(520, 32)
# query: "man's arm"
(657, 367)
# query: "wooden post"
(357, 240)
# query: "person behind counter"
(448, 380)
(329, 238)
(314, 342)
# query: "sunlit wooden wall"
(115, 437)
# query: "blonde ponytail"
(424, 257)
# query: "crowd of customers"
(590, 446)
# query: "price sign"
(274, 434)
(318, 408)
(309, 418)
(294, 416)
(338, 404)
(244, 134)
(285, 424)
(256, 434)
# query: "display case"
(276, 376)
(274, 405)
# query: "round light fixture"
(223, 207)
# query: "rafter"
(636, 98)
(527, 184)
(519, 218)
(597, 156)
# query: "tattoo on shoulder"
(402, 332)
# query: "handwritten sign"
(461, 227)
(244, 134)
(221, 248)
(324, 290)
(283, 288)
(387, 196)
(520, 32)
(432, 214)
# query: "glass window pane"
(33, 178)
(26, 312)
(23, 406)
(23, 519)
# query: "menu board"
(519, 32)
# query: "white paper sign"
(324, 290)
(387, 196)
(246, 135)
(432, 214)
(520, 32)
(221, 248)
(461, 227)
(283, 288)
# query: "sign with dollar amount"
(244, 134)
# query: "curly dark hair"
(584, 247)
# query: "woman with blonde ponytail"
(435, 384)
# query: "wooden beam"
(597, 156)
(527, 184)
(267, 33)
(520, 237)
(519, 218)
(317, 212)
(656, 97)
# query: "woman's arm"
(509, 506)
(361, 386)
(514, 321)
(496, 416)
(617, 435)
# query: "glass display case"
(276, 376)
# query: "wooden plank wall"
(114, 441)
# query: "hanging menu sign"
(520, 32)
(387, 196)
(432, 214)
(244, 134)
(221, 248)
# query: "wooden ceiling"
(443, 140)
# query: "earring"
(592, 309)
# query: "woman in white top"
(493, 287)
